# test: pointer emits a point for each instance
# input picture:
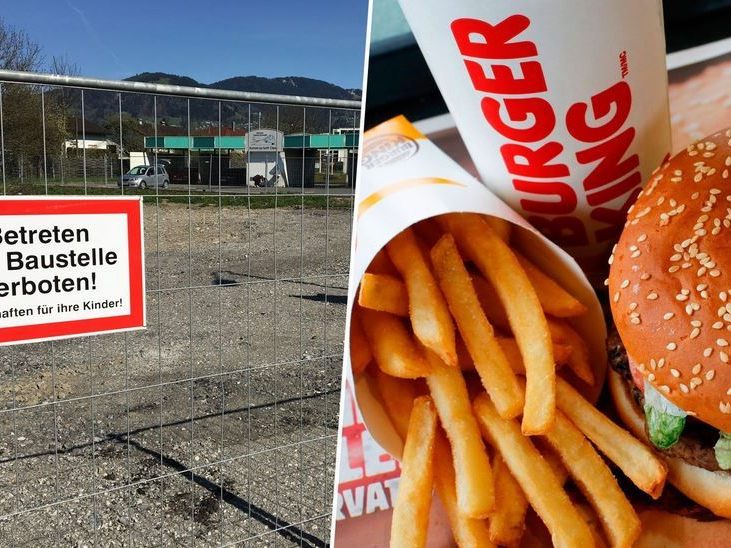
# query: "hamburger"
(670, 297)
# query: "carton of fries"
(405, 179)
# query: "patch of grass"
(198, 198)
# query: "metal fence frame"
(279, 530)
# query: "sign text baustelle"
(70, 266)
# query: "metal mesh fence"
(217, 425)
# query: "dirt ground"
(217, 424)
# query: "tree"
(29, 109)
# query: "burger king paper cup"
(404, 179)
(562, 105)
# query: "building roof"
(78, 128)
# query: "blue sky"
(207, 40)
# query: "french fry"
(633, 457)
(561, 353)
(428, 232)
(490, 303)
(396, 353)
(411, 511)
(501, 227)
(592, 521)
(397, 396)
(385, 293)
(535, 477)
(507, 522)
(447, 387)
(360, 350)
(591, 474)
(428, 310)
(468, 532)
(578, 360)
(498, 264)
(555, 300)
(381, 264)
(478, 335)
(553, 460)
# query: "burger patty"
(695, 445)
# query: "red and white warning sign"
(70, 267)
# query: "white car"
(145, 177)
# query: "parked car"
(145, 177)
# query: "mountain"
(288, 85)
(285, 85)
(102, 107)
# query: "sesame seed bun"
(709, 489)
(670, 281)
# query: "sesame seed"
(695, 333)
(717, 325)
(728, 392)
(606, 282)
(635, 254)
(645, 276)
(723, 356)
(642, 237)
(616, 297)
(724, 407)
(675, 373)
(683, 388)
(611, 259)
(624, 284)
(715, 191)
(702, 270)
(689, 309)
(701, 287)
(710, 374)
(681, 297)
(673, 268)
(661, 363)
(715, 273)
(632, 247)
(698, 177)
(721, 342)
(651, 377)
(632, 306)
(696, 369)
(695, 195)
(668, 315)
(671, 346)
(652, 296)
(707, 352)
(676, 257)
(696, 323)
(664, 388)
(635, 320)
(727, 317)
(695, 381)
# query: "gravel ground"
(215, 425)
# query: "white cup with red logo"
(562, 105)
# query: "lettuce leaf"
(665, 421)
